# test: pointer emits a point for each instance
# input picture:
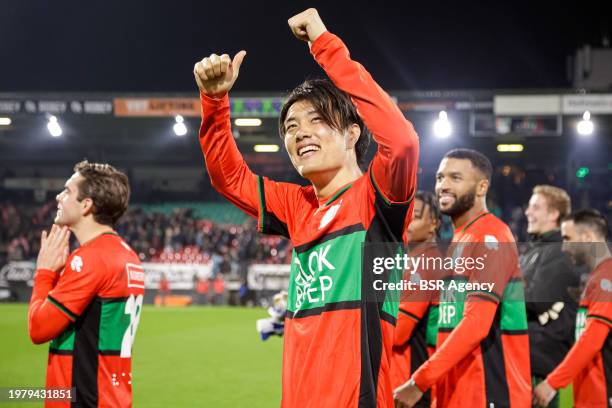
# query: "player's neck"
(479, 207)
(601, 254)
(87, 229)
(326, 184)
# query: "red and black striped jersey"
(589, 362)
(339, 329)
(417, 322)
(491, 368)
(101, 292)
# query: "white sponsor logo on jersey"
(135, 276)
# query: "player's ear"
(588, 236)
(87, 206)
(554, 214)
(482, 188)
(354, 131)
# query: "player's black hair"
(591, 219)
(334, 105)
(429, 199)
(478, 160)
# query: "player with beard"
(417, 321)
(589, 362)
(482, 355)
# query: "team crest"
(329, 215)
(76, 264)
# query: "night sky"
(151, 46)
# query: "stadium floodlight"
(514, 148)
(247, 122)
(54, 127)
(585, 127)
(442, 126)
(266, 148)
(5, 121)
(179, 127)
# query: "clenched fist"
(307, 26)
(215, 75)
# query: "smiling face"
(458, 183)
(69, 209)
(313, 145)
(540, 217)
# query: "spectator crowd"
(156, 237)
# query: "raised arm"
(395, 164)
(229, 174)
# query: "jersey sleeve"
(393, 169)
(473, 328)
(599, 295)
(490, 262)
(410, 313)
(582, 352)
(415, 303)
(84, 276)
(45, 321)
(275, 207)
(268, 201)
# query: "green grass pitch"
(183, 357)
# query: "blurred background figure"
(417, 320)
(589, 362)
(548, 274)
(164, 289)
(202, 287)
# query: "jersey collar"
(338, 194)
(468, 224)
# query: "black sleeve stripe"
(599, 317)
(388, 318)
(490, 296)
(410, 315)
(262, 202)
(385, 199)
(268, 222)
(68, 312)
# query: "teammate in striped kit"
(589, 362)
(417, 321)
(482, 355)
(88, 302)
(338, 330)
